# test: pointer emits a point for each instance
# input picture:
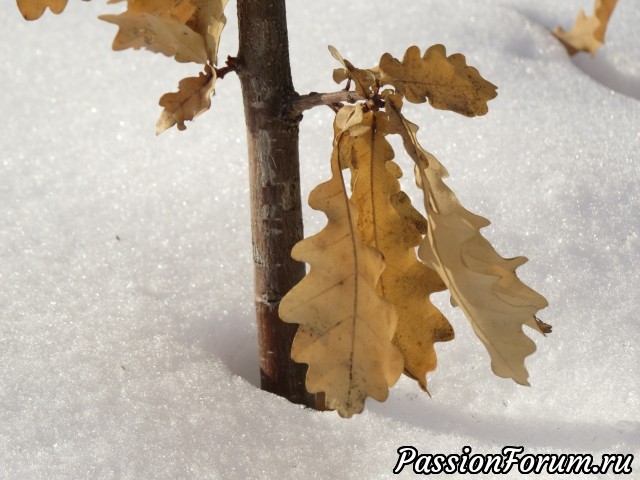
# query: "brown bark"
(276, 215)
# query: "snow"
(126, 319)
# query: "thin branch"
(314, 99)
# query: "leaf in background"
(587, 34)
(364, 79)
(482, 283)
(388, 222)
(346, 328)
(192, 98)
(447, 82)
(33, 9)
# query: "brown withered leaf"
(33, 9)
(161, 27)
(388, 222)
(346, 328)
(447, 82)
(544, 327)
(192, 98)
(482, 283)
(364, 79)
(587, 34)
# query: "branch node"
(231, 66)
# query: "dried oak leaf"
(33, 9)
(192, 98)
(346, 328)
(388, 222)
(159, 34)
(447, 82)
(587, 34)
(181, 9)
(187, 29)
(209, 20)
(364, 79)
(190, 30)
(349, 119)
(482, 283)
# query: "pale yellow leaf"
(33, 9)
(350, 118)
(188, 29)
(208, 20)
(159, 34)
(447, 82)
(482, 283)
(587, 34)
(192, 98)
(346, 328)
(180, 9)
(388, 222)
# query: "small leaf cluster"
(187, 30)
(363, 309)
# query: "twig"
(314, 99)
(231, 67)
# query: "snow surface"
(127, 336)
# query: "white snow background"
(127, 336)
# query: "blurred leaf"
(587, 34)
(33, 9)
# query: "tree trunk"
(276, 214)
